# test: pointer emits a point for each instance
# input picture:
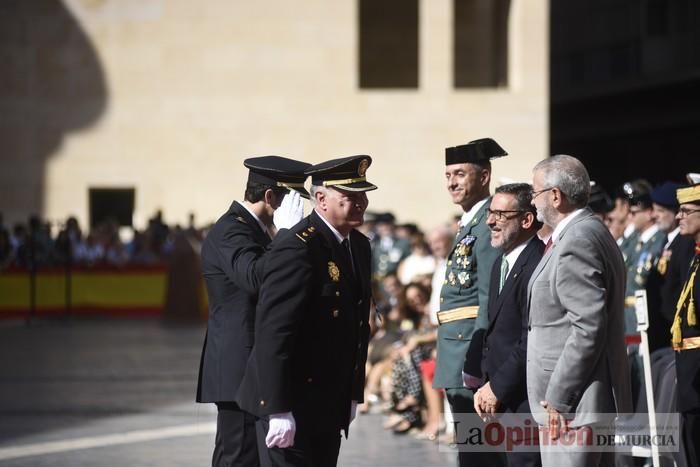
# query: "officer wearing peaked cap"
(465, 291)
(306, 374)
(631, 192)
(232, 264)
(668, 272)
(685, 331)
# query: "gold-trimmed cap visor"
(689, 194)
(345, 173)
(277, 171)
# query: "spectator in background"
(439, 239)
(7, 255)
(141, 249)
(407, 393)
(388, 250)
(630, 191)
(92, 251)
(34, 246)
(368, 227)
(599, 202)
(407, 232)
(639, 263)
(420, 263)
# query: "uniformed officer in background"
(685, 332)
(306, 374)
(388, 250)
(630, 191)
(639, 261)
(668, 273)
(232, 266)
(465, 291)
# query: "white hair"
(569, 175)
(316, 189)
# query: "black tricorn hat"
(479, 150)
(345, 173)
(277, 171)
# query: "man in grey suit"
(577, 370)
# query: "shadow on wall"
(51, 83)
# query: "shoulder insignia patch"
(306, 234)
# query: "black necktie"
(348, 255)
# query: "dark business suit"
(504, 344)
(311, 339)
(232, 263)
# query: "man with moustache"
(511, 218)
(465, 289)
(306, 374)
(232, 264)
(685, 332)
(577, 372)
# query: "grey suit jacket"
(576, 356)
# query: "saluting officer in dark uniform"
(685, 332)
(232, 267)
(306, 373)
(465, 291)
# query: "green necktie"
(504, 273)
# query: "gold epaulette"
(306, 234)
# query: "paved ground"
(114, 392)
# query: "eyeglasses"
(685, 212)
(535, 194)
(501, 215)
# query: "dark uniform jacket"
(466, 284)
(688, 361)
(664, 287)
(502, 349)
(311, 329)
(232, 264)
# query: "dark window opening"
(115, 204)
(481, 43)
(388, 42)
(657, 18)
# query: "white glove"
(470, 382)
(281, 432)
(353, 411)
(290, 212)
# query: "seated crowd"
(38, 244)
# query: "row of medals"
(462, 259)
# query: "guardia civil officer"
(232, 262)
(306, 375)
(685, 332)
(465, 291)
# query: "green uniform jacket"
(628, 245)
(639, 263)
(466, 284)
